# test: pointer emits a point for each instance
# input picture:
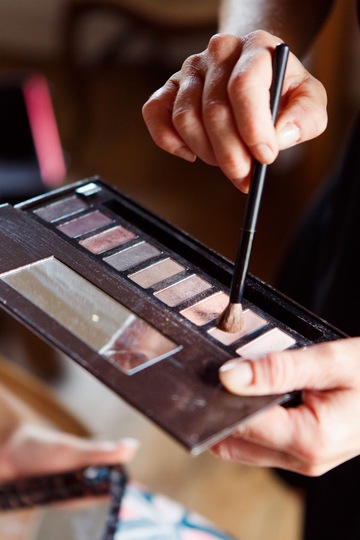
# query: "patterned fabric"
(150, 516)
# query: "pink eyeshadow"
(84, 224)
(157, 272)
(107, 240)
(207, 310)
(273, 341)
(182, 290)
(252, 322)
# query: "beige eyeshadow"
(182, 290)
(156, 272)
(108, 239)
(273, 341)
(252, 322)
(207, 310)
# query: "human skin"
(216, 108)
(313, 437)
(28, 446)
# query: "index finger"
(249, 95)
(157, 113)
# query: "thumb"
(320, 367)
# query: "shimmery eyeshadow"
(207, 310)
(252, 322)
(273, 341)
(130, 257)
(156, 272)
(61, 209)
(182, 290)
(84, 224)
(108, 239)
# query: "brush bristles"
(231, 320)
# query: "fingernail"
(288, 135)
(130, 442)
(264, 153)
(185, 153)
(239, 371)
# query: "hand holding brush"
(231, 320)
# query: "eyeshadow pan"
(156, 272)
(252, 322)
(61, 209)
(127, 258)
(108, 239)
(182, 290)
(273, 341)
(207, 310)
(84, 224)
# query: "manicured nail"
(185, 153)
(236, 373)
(288, 135)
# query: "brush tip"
(231, 320)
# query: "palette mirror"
(94, 317)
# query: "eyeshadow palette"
(135, 301)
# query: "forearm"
(297, 23)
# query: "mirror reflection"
(104, 324)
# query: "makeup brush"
(231, 320)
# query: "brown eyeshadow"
(207, 310)
(182, 290)
(252, 322)
(108, 239)
(61, 209)
(84, 224)
(156, 272)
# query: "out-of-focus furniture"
(34, 394)
(155, 22)
(147, 34)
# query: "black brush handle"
(280, 59)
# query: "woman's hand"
(35, 449)
(217, 106)
(314, 437)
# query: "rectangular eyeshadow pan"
(109, 239)
(156, 273)
(132, 256)
(273, 341)
(206, 310)
(61, 209)
(252, 322)
(84, 224)
(182, 290)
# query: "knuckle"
(215, 111)
(183, 118)
(221, 44)
(314, 454)
(313, 470)
(275, 370)
(222, 451)
(193, 65)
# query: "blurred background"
(91, 64)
